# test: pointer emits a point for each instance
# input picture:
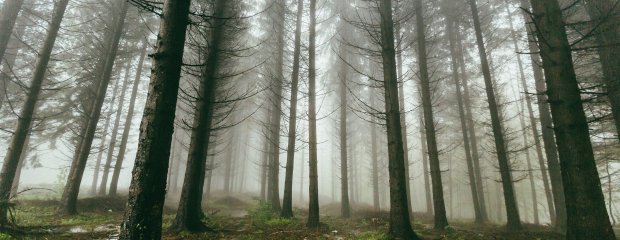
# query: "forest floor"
(233, 218)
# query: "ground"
(240, 218)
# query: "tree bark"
(130, 111)
(69, 197)
(287, 202)
(16, 146)
(8, 17)
(551, 151)
(587, 216)
(143, 214)
(313, 195)
(189, 213)
(8, 62)
(375, 158)
(512, 210)
(20, 168)
(400, 226)
(117, 120)
(441, 220)
(450, 23)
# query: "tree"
(551, 151)
(450, 28)
(189, 213)
(143, 214)
(585, 205)
(400, 227)
(68, 201)
(287, 202)
(130, 111)
(512, 211)
(16, 147)
(8, 16)
(313, 195)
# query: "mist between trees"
(497, 111)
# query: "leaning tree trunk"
(8, 17)
(16, 146)
(117, 120)
(93, 187)
(450, 23)
(313, 195)
(287, 202)
(143, 214)
(68, 201)
(606, 17)
(189, 213)
(441, 220)
(400, 226)
(551, 151)
(8, 62)
(585, 205)
(512, 210)
(130, 111)
(20, 168)
(528, 161)
(274, 162)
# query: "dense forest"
(309, 119)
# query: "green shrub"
(261, 214)
(4, 236)
(371, 235)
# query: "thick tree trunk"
(189, 213)
(69, 197)
(274, 162)
(143, 214)
(130, 111)
(313, 195)
(117, 120)
(585, 205)
(400, 225)
(16, 146)
(450, 23)
(441, 220)
(606, 17)
(534, 127)
(287, 202)
(551, 151)
(8, 17)
(512, 210)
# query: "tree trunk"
(427, 181)
(8, 62)
(313, 195)
(93, 187)
(375, 157)
(117, 120)
(534, 127)
(143, 214)
(274, 163)
(512, 210)
(8, 17)
(20, 168)
(471, 127)
(441, 220)
(69, 197)
(450, 23)
(585, 205)
(130, 111)
(287, 202)
(606, 18)
(528, 160)
(400, 226)
(189, 213)
(16, 146)
(551, 151)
